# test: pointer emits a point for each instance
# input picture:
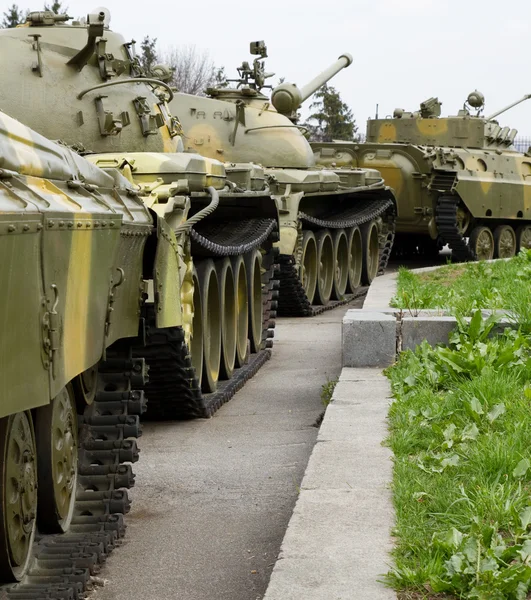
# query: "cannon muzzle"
(287, 97)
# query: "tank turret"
(241, 123)
(81, 82)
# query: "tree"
(334, 118)
(57, 8)
(148, 53)
(193, 71)
(13, 16)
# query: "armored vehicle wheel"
(462, 217)
(229, 325)
(308, 270)
(482, 242)
(341, 260)
(523, 238)
(196, 342)
(18, 494)
(57, 443)
(253, 263)
(504, 242)
(210, 304)
(371, 250)
(85, 386)
(242, 310)
(325, 267)
(355, 259)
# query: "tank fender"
(288, 208)
(166, 278)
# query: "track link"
(63, 564)
(446, 220)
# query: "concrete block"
(368, 339)
(435, 330)
(350, 374)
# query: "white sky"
(404, 50)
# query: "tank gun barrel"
(311, 87)
(506, 108)
(287, 97)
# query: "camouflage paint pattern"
(72, 239)
(422, 158)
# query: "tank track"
(293, 300)
(173, 389)
(363, 211)
(446, 220)
(63, 564)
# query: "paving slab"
(338, 540)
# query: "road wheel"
(463, 219)
(229, 324)
(481, 242)
(355, 259)
(325, 267)
(341, 260)
(57, 443)
(523, 238)
(253, 264)
(196, 336)
(308, 269)
(18, 494)
(242, 310)
(371, 252)
(210, 304)
(504, 242)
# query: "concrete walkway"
(338, 540)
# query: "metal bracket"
(37, 65)
(50, 333)
(110, 308)
(109, 124)
(149, 122)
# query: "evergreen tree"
(334, 118)
(148, 53)
(57, 8)
(13, 16)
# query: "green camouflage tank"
(458, 180)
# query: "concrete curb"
(338, 540)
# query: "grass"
(460, 432)
(327, 391)
(462, 289)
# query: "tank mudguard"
(166, 278)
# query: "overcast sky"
(404, 50)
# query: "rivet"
(51, 223)
(26, 228)
(61, 223)
(70, 223)
(103, 224)
(11, 228)
(39, 226)
(111, 224)
(96, 223)
(79, 224)
(87, 225)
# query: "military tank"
(81, 83)
(336, 226)
(458, 180)
(74, 247)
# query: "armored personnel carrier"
(74, 243)
(458, 180)
(81, 83)
(336, 226)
